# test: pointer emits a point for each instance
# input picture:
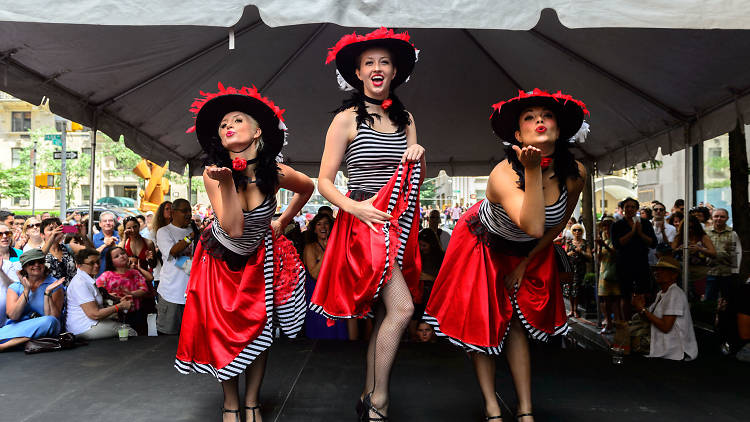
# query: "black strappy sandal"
(360, 408)
(368, 407)
(521, 415)
(236, 413)
(253, 408)
(489, 418)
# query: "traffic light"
(75, 127)
(46, 181)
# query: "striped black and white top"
(257, 222)
(372, 157)
(496, 220)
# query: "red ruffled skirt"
(231, 309)
(358, 262)
(469, 302)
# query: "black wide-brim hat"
(212, 108)
(349, 48)
(568, 111)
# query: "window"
(85, 193)
(86, 150)
(15, 154)
(21, 121)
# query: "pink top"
(117, 283)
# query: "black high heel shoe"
(521, 415)
(253, 408)
(368, 407)
(236, 413)
(360, 408)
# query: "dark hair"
(159, 221)
(108, 264)
(565, 165)
(649, 213)
(141, 218)
(436, 251)
(266, 169)
(310, 235)
(629, 199)
(48, 222)
(677, 214)
(695, 230)
(653, 203)
(80, 239)
(325, 208)
(396, 112)
(132, 219)
(679, 203)
(82, 255)
(5, 214)
(702, 210)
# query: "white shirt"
(172, 279)
(680, 341)
(82, 289)
(10, 269)
(669, 231)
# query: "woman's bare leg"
(13, 342)
(231, 399)
(253, 379)
(517, 351)
(484, 366)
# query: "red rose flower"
(239, 164)
(386, 103)
(546, 161)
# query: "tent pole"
(685, 217)
(190, 183)
(92, 174)
(594, 237)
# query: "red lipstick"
(541, 129)
(230, 133)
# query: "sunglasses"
(6, 234)
(659, 209)
(37, 225)
(577, 230)
(97, 262)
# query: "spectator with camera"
(175, 240)
(34, 303)
(672, 334)
(88, 318)
(107, 237)
(59, 260)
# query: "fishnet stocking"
(392, 317)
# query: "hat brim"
(665, 267)
(505, 120)
(404, 57)
(210, 115)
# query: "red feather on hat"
(196, 106)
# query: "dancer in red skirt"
(372, 260)
(499, 277)
(245, 276)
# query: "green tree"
(125, 158)
(181, 179)
(75, 170)
(16, 182)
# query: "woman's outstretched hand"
(222, 174)
(529, 156)
(368, 214)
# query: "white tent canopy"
(645, 87)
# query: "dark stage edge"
(310, 380)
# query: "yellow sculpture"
(157, 185)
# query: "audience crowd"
(56, 279)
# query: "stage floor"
(310, 380)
